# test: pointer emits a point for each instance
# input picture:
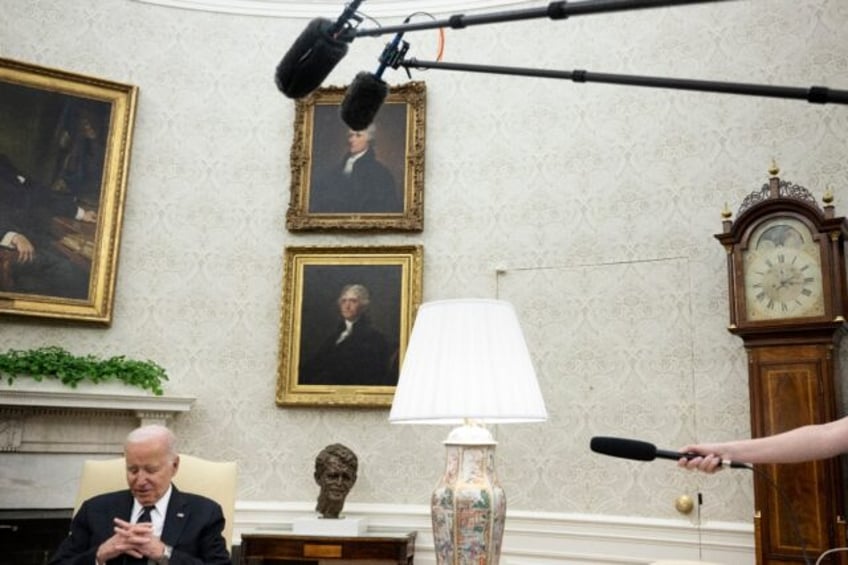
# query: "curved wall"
(587, 203)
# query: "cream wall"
(591, 207)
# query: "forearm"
(797, 445)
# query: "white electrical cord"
(829, 551)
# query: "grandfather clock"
(788, 298)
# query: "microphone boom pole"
(554, 11)
(814, 94)
(342, 23)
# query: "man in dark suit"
(355, 353)
(26, 209)
(359, 183)
(152, 521)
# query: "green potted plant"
(54, 363)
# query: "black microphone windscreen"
(362, 100)
(626, 448)
(312, 56)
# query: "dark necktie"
(145, 514)
(143, 517)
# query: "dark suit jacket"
(370, 187)
(363, 358)
(26, 206)
(193, 527)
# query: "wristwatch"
(166, 555)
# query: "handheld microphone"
(367, 92)
(644, 451)
(315, 53)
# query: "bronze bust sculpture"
(335, 472)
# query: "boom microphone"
(315, 53)
(363, 99)
(367, 92)
(644, 451)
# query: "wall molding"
(534, 538)
(295, 9)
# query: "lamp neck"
(470, 433)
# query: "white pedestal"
(316, 526)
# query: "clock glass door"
(783, 272)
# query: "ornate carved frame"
(41, 88)
(310, 312)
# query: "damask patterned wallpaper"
(592, 207)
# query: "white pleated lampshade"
(467, 360)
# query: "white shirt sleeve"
(7, 239)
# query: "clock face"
(783, 273)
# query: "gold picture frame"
(321, 287)
(385, 192)
(65, 143)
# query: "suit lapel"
(176, 518)
(123, 507)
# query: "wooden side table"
(280, 549)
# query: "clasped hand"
(136, 540)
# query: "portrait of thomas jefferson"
(350, 329)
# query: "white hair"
(368, 132)
(153, 431)
(361, 292)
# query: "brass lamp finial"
(725, 212)
(773, 169)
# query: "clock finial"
(827, 197)
(726, 214)
(774, 180)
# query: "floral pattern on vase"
(468, 508)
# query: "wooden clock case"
(793, 378)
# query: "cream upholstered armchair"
(212, 479)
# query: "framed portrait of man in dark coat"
(371, 179)
(64, 153)
(346, 317)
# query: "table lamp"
(467, 363)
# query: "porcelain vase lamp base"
(468, 505)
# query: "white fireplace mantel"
(49, 417)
